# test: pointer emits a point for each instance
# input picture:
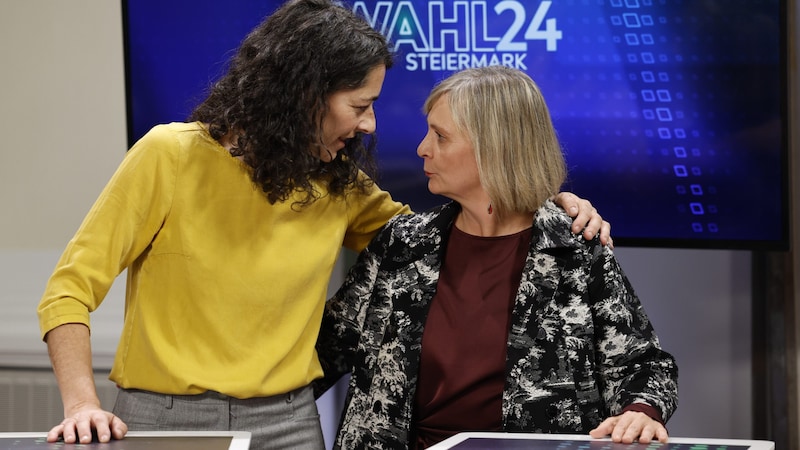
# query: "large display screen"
(671, 113)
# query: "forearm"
(70, 351)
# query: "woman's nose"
(368, 122)
(422, 148)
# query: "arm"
(117, 229)
(586, 217)
(70, 354)
(632, 366)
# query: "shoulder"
(170, 131)
(419, 230)
(551, 217)
(553, 230)
(371, 197)
(427, 221)
(174, 135)
(174, 142)
(553, 225)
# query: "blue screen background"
(671, 113)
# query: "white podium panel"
(533, 441)
(140, 440)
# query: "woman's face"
(449, 159)
(350, 112)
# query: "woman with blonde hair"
(488, 313)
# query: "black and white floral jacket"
(580, 347)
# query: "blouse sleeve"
(368, 213)
(117, 229)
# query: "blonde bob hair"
(503, 114)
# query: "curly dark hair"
(275, 91)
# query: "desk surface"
(139, 440)
(533, 441)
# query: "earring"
(489, 209)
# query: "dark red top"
(462, 367)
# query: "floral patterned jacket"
(580, 347)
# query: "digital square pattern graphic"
(671, 113)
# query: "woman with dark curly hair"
(229, 226)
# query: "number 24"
(550, 34)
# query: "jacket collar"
(551, 228)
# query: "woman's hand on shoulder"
(631, 426)
(587, 219)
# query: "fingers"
(73, 430)
(662, 435)
(595, 225)
(67, 428)
(586, 220)
(605, 235)
(604, 429)
(627, 429)
(569, 203)
(583, 213)
(118, 428)
(100, 423)
(55, 433)
(591, 218)
(84, 430)
(585, 217)
(631, 427)
(645, 435)
(80, 428)
(653, 429)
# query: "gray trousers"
(286, 421)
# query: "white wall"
(62, 118)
